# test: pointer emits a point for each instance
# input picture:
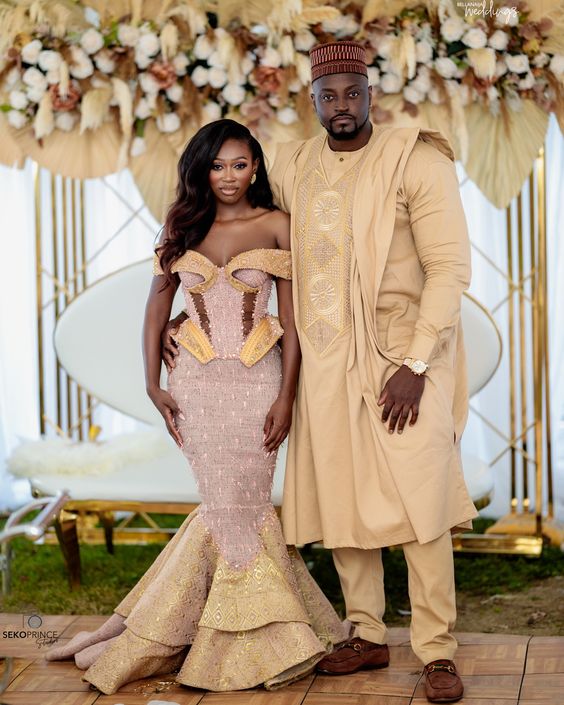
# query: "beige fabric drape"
(348, 481)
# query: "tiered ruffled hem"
(218, 627)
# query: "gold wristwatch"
(418, 367)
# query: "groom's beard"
(344, 136)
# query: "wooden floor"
(497, 670)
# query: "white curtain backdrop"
(114, 204)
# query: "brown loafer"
(442, 682)
(355, 655)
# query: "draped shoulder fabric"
(406, 263)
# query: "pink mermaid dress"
(226, 605)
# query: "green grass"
(39, 580)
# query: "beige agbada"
(380, 260)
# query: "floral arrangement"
(186, 68)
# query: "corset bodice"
(228, 306)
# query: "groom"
(380, 260)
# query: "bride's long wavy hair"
(193, 211)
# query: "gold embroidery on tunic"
(324, 240)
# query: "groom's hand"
(169, 347)
(400, 396)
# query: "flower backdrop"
(89, 88)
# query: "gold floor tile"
(339, 699)
(49, 698)
(491, 659)
(485, 687)
(478, 638)
(378, 682)
(17, 666)
(60, 676)
(545, 656)
(398, 636)
(473, 701)
(403, 659)
(542, 688)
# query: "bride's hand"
(277, 424)
(168, 409)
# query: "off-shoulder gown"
(226, 605)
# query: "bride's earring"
(253, 178)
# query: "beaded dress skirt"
(226, 605)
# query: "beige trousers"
(431, 593)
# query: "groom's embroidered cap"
(337, 57)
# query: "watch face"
(419, 367)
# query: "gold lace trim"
(260, 340)
(195, 341)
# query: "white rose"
(518, 63)
(141, 59)
(200, 76)
(49, 60)
(215, 60)
(445, 67)
(500, 68)
(30, 52)
(142, 109)
(527, 82)
(422, 82)
(423, 52)
(541, 59)
(233, 94)
(203, 48)
(81, 66)
(138, 146)
(475, 38)
(174, 93)
(18, 100)
(412, 95)
(16, 119)
(65, 121)
(452, 29)
(36, 93)
(211, 111)
(34, 78)
(386, 46)
(557, 64)
(148, 44)
(287, 116)
(169, 122)
(91, 41)
(271, 57)
(148, 83)
(180, 63)
(304, 40)
(373, 76)
(508, 16)
(499, 40)
(128, 35)
(274, 100)
(104, 61)
(217, 77)
(391, 83)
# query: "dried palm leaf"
(554, 44)
(23, 16)
(44, 121)
(155, 172)
(247, 12)
(94, 153)
(389, 8)
(499, 160)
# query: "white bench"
(98, 342)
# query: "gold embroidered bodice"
(228, 306)
(323, 241)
